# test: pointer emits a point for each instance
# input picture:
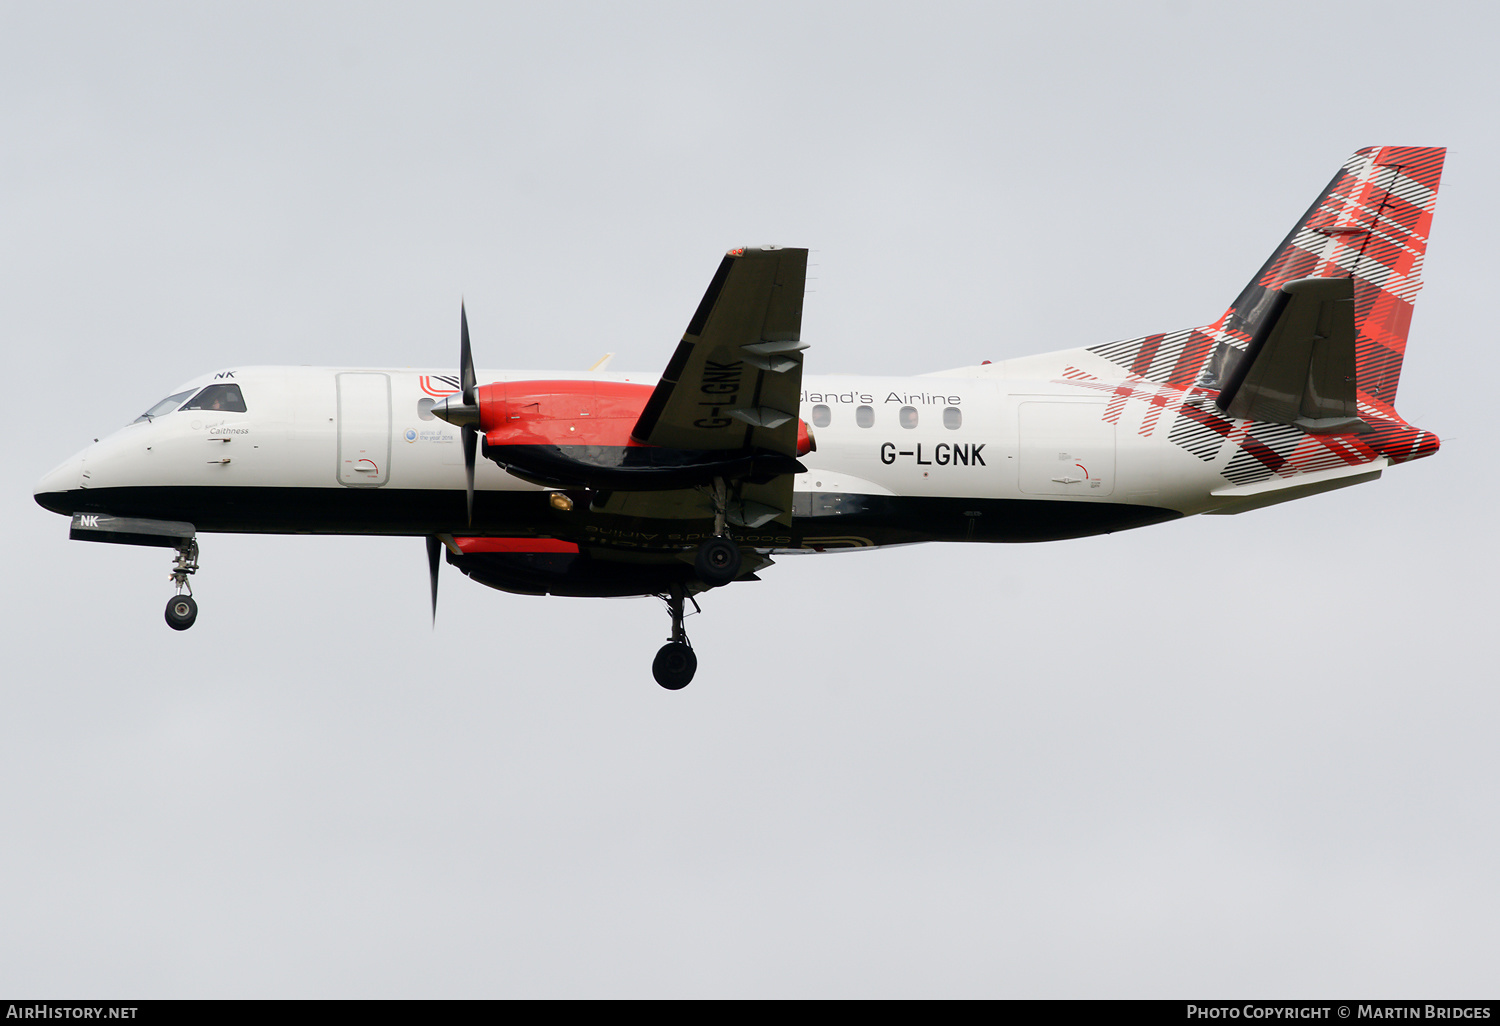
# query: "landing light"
(558, 500)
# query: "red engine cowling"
(560, 412)
(571, 434)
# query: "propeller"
(465, 357)
(465, 414)
(471, 400)
(434, 560)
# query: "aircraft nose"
(51, 491)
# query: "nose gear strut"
(182, 610)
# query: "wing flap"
(760, 504)
(761, 416)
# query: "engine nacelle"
(549, 566)
(576, 434)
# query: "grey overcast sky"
(1239, 756)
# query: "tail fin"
(1370, 224)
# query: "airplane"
(608, 484)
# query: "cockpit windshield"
(224, 398)
(164, 407)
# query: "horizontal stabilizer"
(1260, 494)
(1299, 367)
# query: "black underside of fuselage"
(820, 519)
(618, 555)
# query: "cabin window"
(953, 418)
(223, 398)
(864, 416)
(821, 415)
(908, 416)
(164, 407)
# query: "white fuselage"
(335, 439)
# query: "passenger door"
(364, 429)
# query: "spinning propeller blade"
(465, 414)
(465, 357)
(466, 370)
(471, 439)
(434, 555)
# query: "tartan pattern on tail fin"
(1370, 224)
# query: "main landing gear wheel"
(181, 612)
(718, 561)
(675, 663)
(674, 666)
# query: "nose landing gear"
(173, 534)
(675, 662)
(182, 611)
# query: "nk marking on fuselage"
(600, 483)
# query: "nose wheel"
(675, 662)
(182, 611)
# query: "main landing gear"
(718, 563)
(718, 560)
(675, 663)
(182, 610)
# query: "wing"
(736, 377)
(735, 382)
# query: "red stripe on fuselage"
(469, 546)
(425, 382)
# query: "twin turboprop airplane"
(612, 484)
